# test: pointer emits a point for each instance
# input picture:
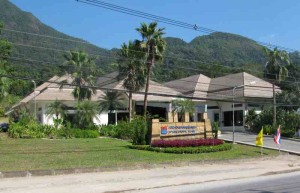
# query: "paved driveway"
(248, 138)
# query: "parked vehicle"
(4, 127)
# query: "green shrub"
(79, 133)
(107, 130)
(268, 129)
(15, 130)
(185, 150)
(139, 126)
(134, 130)
(215, 129)
(124, 130)
(287, 133)
(30, 130)
(288, 120)
(65, 131)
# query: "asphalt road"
(286, 144)
(280, 183)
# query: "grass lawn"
(4, 119)
(40, 154)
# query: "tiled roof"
(222, 87)
(110, 82)
(197, 86)
(194, 86)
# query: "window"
(216, 117)
(199, 116)
(238, 118)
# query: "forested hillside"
(39, 56)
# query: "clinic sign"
(180, 130)
(177, 130)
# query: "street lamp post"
(34, 98)
(233, 93)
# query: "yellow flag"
(260, 138)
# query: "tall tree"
(82, 70)
(154, 45)
(112, 101)
(131, 70)
(276, 69)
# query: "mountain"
(211, 55)
(40, 56)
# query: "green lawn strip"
(42, 154)
(3, 119)
(185, 150)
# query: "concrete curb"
(265, 147)
(285, 138)
(55, 172)
(33, 173)
(269, 136)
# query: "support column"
(155, 135)
(170, 117)
(175, 117)
(186, 117)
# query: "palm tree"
(112, 101)
(82, 70)
(56, 108)
(86, 112)
(154, 45)
(182, 106)
(276, 69)
(131, 70)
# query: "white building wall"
(102, 119)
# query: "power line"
(166, 56)
(165, 20)
(47, 36)
(118, 57)
(216, 93)
(183, 59)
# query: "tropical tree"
(182, 106)
(58, 109)
(131, 70)
(276, 69)
(82, 70)
(250, 118)
(112, 101)
(86, 111)
(154, 45)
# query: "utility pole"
(34, 99)
(274, 105)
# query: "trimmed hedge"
(185, 150)
(186, 143)
(80, 133)
(135, 130)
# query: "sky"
(270, 21)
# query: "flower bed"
(186, 143)
(185, 150)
